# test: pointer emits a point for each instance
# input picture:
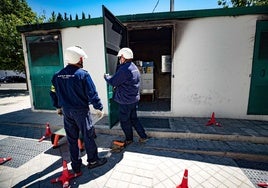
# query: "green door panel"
(44, 58)
(115, 37)
(258, 97)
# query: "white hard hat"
(73, 54)
(126, 53)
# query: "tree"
(59, 18)
(65, 16)
(83, 16)
(12, 14)
(242, 3)
(53, 17)
(41, 18)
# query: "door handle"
(262, 74)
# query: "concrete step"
(165, 133)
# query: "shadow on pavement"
(175, 148)
(164, 146)
(13, 93)
(88, 174)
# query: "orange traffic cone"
(47, 134)
(184, 182)
(55, 140)
(119, 143)
(263, 184)
(212, 121)
(5, 159)
(65, 176)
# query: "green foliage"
(40, 18)
(65, 16)
(53, 17)
(242, 3)
(83, 15)
(59, 18)
(12, 14)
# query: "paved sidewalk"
(233, 155)
(159, 163)
(178, 127)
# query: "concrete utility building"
(193, 63)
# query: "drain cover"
(159, 123)
(21, 150)
(256, 176)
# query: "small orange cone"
(65, 176)
(119, 143)
(263, 184)
(55, 140)
(184, 182)
(212, 121)
(47, 134)
(5, 159)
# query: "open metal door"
(115, 37)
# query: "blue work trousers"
(128, 118)
(76, 121)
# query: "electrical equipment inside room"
(152, 46)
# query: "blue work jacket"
(74, 89)
(126, 82)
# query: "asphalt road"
(13, 97)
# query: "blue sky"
(117, 7)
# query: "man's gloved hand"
(59, 111)
(106, 76)
(99, 114)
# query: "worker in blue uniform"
(126, 83)
(72, 92)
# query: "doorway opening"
(152, 49)
(151, 43)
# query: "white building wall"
(91, 39)
(212, 65)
